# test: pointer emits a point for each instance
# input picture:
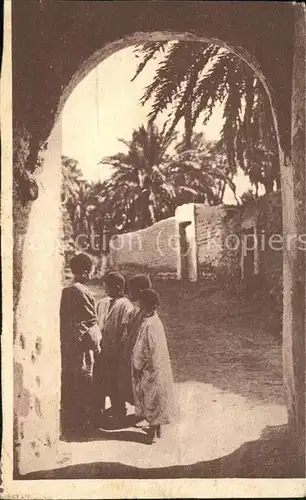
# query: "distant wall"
(151, 250)
(220, 234)
(215, 240)
(218, 253)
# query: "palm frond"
(148, 51)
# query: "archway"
(289, 223)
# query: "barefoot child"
(113, 313)
(151, 368)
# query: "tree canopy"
(191, 79)
(148, 183)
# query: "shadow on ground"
(217, 340)
(220, 337)
(271, 456)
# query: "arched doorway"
(41, 202)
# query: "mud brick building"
(150, 250)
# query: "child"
(151, 369)
(113, 313)
(80, 338)
(136, 285)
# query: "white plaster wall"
(153, 249)
(37, 345)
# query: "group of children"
(114, 349)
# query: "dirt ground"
(218, 338)
(227, 368)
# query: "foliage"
(148, 183)
(82, 209)
(191, 79)
(138, 193)
(78, 197)
(71, 180)
(248, 197)
(203, 169)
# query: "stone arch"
(144, 37)
(52, 174)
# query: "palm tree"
(70, 191)
(202, 171)
(191, 79)
(137, 193)
(77, 196)
(71, 179)
(148, 183)
(71, 186)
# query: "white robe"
(153, 389)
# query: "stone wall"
(152, 250)
(270, 225)
(217, 252)
(37, 344)
(294, 263)
(220, 235)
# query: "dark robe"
(80, 339)
(113, 316)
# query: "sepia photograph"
(153, 249)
